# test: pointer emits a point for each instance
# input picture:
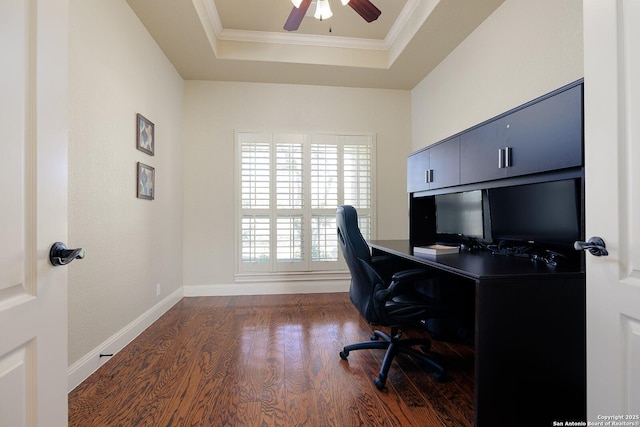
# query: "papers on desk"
(435, 250)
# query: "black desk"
(530, 334)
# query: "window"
(289, 185)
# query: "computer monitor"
(459, 215)
(547, 212)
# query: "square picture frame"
(145, 135)
(146, 182)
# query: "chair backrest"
(364, 279)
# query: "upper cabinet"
(542, 136)
(434, 167)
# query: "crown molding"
(413, 14)
(301, 39)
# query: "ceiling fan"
(364, 8)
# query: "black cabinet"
(418, 171)
(542, 136)
(479, 154)
(435, 167)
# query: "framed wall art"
(145, 135)
(146, 181)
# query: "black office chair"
(396, 303)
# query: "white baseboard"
(87, 365)
(267, 288)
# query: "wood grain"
(268, 361)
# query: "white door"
(33, 197)
(612, 157)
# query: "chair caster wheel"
(344, 354)
(379, 382)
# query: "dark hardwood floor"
(268, 360)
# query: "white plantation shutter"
(289, 187)
(255, 238)
(289, 176)
(255, 175)
(324, 176)
(324, 238)
(289, 201)
(358, 183)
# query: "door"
(33, 193)
(612, 158)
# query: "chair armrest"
(379, 259)
(416, 274)
(403, 281)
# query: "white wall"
(116, 70)
(523, 50)
(213, 110)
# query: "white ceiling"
(243, 40)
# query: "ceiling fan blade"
(296, 15)
(366, 9)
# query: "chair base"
(395, 345)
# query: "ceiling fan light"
(344, 2)
(296, 3)
(323, 10)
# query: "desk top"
(478, 265)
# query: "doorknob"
(595, 245)
(61, 255)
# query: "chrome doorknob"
(594, 245)
(61, 255)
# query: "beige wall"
(523, 50)
(213, 110)
(116, 70)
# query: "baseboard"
(87, 365)
(267, 288)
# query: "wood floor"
(268, 361)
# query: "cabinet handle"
(507, 157)
(500, 158)
(428, 176)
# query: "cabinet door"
(546, 135)
(417, 169)
(445, 163)
(479, 154)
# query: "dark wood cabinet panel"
(434, 167)
(479, 154)
(445, 163)
(417, 169)
(542, 136)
